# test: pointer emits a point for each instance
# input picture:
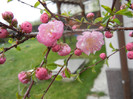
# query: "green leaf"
(117, 21)
(106, 62)
(82, 19)
(125, 12)
(78, 20)
(47, 12)
(88, 26)
(9, 0)
(18, 96)
(105, 19)
(67, 74)
(10, 40)
(41, 11)
(37, 4)
(94, 61)
(111, 46)
(58, 78)
(18, 48)
(52, 66)
(78, 79)
(108, 9)
(98, 20)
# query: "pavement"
(100, 85)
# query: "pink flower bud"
(129, 46)
(56, 48)
(26, 27)
(78, 52)
(112, 17)
(74, 27)
(130, 55)
(14, 22)
(90, 16)
(132, 6)
(44, 18)
(102, 55)
(24, 77)
(122, 7)
(108, 34)
(8, 16)
(2, 59)
(101, 27)
(3, 33)
(63, 72)
(65, 50)
(42, 74)
(131, 34)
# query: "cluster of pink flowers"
(129, 47)
(90, 42)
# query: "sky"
(23, 12)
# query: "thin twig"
(32, 82)
(101, 60)
(56, 76)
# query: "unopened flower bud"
(8, 16)
(90, 16)
(3, 33)
(108, 34)
(26, 27)
(102, 55)
(14, 22)
(44, 18)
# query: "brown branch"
(15, 45)
(101, 60)
(56, 76)
(113, 5)
(9, 27)
(32, 82)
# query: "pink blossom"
(78, 52)
(64, 50)
(3, 33)
(42, 74)
(14, 22)
(8, 16)
(131, 34)
(108, 34)
(50, 32)
(56, 48)
(26, 27)
(129, 46)
(130, 55)
(102, 55)
(24, 77)
(2, 59)
(90, 15)
(90, 42)
(44, 18)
